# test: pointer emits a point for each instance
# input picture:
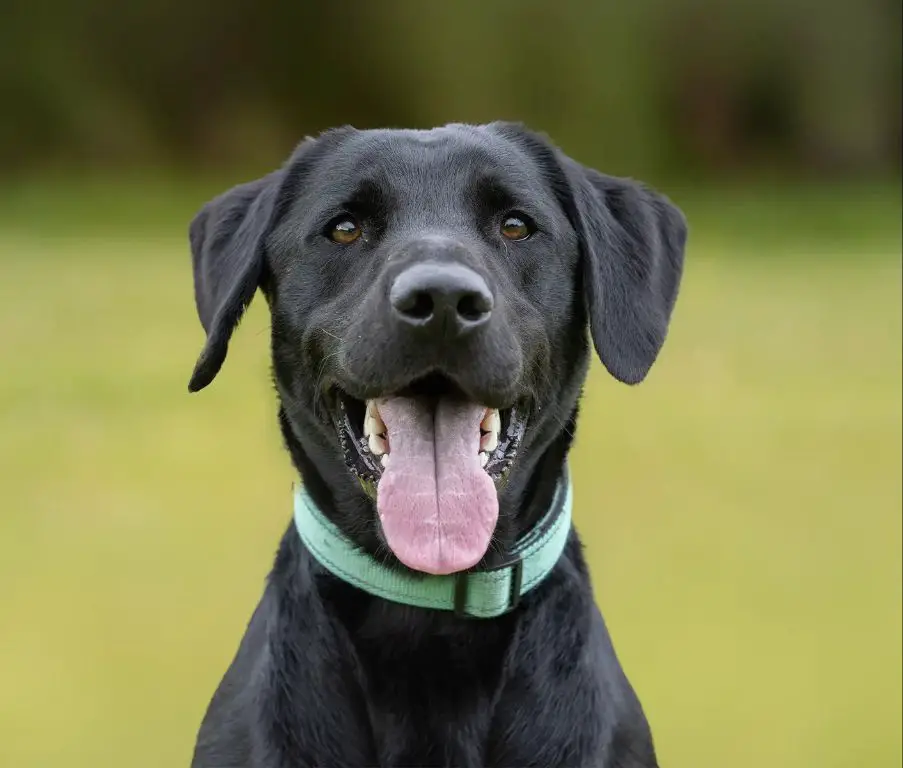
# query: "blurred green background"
(741, 509)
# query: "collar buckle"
(462, 586)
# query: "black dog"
(430, 293)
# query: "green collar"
(477, 594)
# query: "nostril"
(417, 306)
(473, 307)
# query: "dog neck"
(390, 634)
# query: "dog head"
(430, 293)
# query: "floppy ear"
(227, 250)
(633, 242)
(227, 256)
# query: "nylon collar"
(481, 594)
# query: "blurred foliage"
(641, 87)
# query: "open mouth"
(434, 462)
(367, 445)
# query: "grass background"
(741, 509)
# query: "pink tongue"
(437, 506)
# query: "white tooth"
(377, 445)
(484, 458)
(373, 425)
(489, 442)
(491, 422)
(384, 459)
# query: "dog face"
(430, 293)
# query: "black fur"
(327, 675)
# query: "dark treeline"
(639, 86)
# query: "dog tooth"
(489, 442)
(491, 422)
(376, 445)
(384, 459)
(373, 426)
(484, 458)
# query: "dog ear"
(227, 257)
(227, 239)
(633, 241)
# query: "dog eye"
(344, 231)
(516, 226)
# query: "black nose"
(446, 298)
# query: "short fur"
(327, 675)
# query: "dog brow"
(370, 195)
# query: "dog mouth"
(434, 462)
(365, 440)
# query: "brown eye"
(344, 231)
(516, 227)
